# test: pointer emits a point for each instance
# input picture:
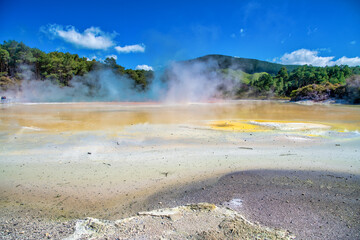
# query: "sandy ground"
(50, 171)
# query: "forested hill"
(19, 62)
(245, 64)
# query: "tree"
(111, 62)
(4, 60)
(264, 83)
(283, 74)
(279, 81)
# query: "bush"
(318, 92)
(6, 83)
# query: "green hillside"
(244, 64)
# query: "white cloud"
(112, 56)
(130, 48)
(348, 61)
(91, 58)
(91, 38)
(144, 67)
(305, 56)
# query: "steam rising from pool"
(180, 82)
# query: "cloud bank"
(130, 48)
(305, 56)
(144, 67)
(91, 38)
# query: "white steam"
(181, 82)
(193, 82)
(101, 85)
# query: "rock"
(202, 207)
(247, 148)
(193, 221)
(171, 213)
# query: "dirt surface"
(311, 205)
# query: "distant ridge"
(245, 64)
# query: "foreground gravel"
(14, 225)
(310, 205)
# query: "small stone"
(175, 217)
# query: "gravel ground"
(17, 225)
(311, 205)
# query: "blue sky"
(152, 33)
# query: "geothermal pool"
(104, 159)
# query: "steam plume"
(181, 82)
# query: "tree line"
(17, 59)
(302, 83)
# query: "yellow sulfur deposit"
(242, 126)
